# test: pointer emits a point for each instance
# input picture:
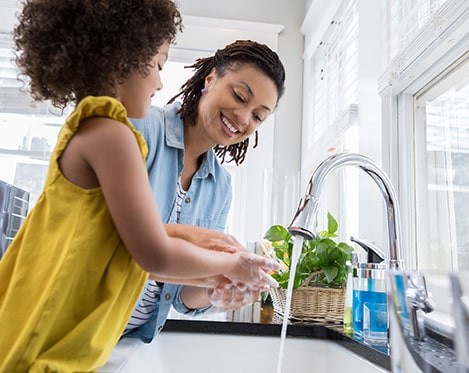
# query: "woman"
(226, 100)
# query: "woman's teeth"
(229, 126)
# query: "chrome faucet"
(418, 299)
(305, 218)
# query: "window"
(27, 132)
(442, 177)
(424, 92)
(335, 72)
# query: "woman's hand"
(227, 296)
(204, 237)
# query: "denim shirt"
(206, 203)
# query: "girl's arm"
(217, 291)
(110, 151)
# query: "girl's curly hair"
(69, 49)
(232, 57)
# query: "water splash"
(296, 251)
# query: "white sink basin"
(180, 352)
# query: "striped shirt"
(179, 198)
(145, 306)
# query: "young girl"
(71, 277)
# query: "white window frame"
(439, 45)
(444, 232)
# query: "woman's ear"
(209, 79)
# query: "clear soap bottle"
(348, 305)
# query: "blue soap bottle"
(369, 285)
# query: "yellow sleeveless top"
(67, 283)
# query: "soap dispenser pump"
(369, 286)
(373, 252)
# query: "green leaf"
(277, 233)
(280, 245)
(281, 278)
(323, 245)
(331, 273)
(347, 249)
(333, 255)
(331, 224)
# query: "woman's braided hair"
(231, 57)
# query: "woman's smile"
(229, 127)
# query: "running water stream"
(296, 252)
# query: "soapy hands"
(231, 297)
(252, 270)
(249, 269)
(238, 287)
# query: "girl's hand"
(248, 270)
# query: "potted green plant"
(320, 277)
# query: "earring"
(204, 91)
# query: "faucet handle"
(418, 294)
(374, 253)
(418, 299)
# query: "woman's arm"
(204, 237)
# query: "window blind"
(13, 99)
(407, 18)
(335, 70)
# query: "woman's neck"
(196, 142)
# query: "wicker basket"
(311, 303)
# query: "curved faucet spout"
(305, 219)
